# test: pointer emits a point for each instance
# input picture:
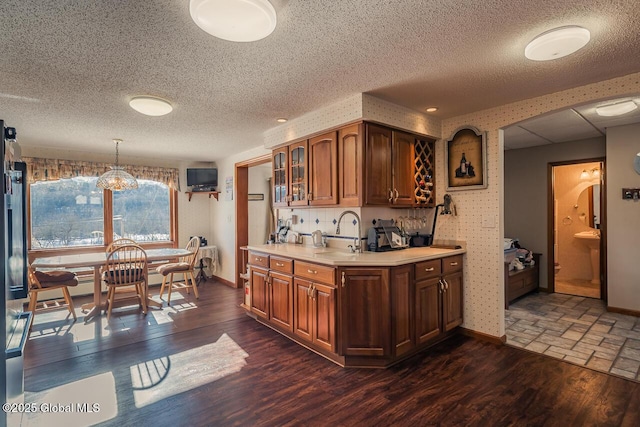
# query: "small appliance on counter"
(385, 236)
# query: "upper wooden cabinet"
(350, 165)
(389, 167)
(298, 174)
(280, 180)
(323, 170)
(362, 164)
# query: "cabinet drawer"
(283, 265)
(451, 264)
(426, 269)
(315, 272)
(256, 258)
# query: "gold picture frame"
(466, 159)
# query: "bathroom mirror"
(589, 206)
(636, 163)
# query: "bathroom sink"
(591, 239)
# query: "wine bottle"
(463, 165)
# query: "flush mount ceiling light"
(281, 120)
(234, 20)
(616, 109)
(117, 179)
(556, 43)
(432, 109)
(150, 106)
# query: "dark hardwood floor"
(205, 363)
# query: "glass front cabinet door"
(280, 181)
(298, 174)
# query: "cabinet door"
(281, 300)
(403, 168)
(452, 301)
(350, 163)
(378, 165)
(324, 317)
(280, 180)
(364, 299)
(323, 170)
(298, 174)
(428, 314)
(302, 313)
(259, 292)
(402, 310)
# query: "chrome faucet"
(357, 246)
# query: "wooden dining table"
(96, 260)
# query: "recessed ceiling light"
(234, 20)
(150, 105)
(281, 120)
(556, 43)
(616, 109)
(432, 109)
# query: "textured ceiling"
(68, 68)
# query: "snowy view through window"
(70, 212)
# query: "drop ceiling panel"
(562, 126)
(516, 137)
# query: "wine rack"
(424, 172)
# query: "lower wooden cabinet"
(259, 284)
(428, 313)
(359, 316)
(281, 300)
(438, 299)
(365, 314)
(314, 318)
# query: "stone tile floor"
(578, 330)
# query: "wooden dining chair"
(41, 281)
(125, 272)
(120, 242)
(186, 266)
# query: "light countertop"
(337, 257)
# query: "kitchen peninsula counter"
(368, 309)
(342, 257)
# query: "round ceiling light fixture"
(281, 120)
(618, 109)
(432, 109)
(556, 43)
(150, 106)
(234, 20)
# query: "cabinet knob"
(395, 190)
(279, 264)
(343, 280)
(429, 269)
(453, 264)
(312, 271)
(258, 259)
(390, 195)
(446, 284)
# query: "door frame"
(551, 220)
(241, 177)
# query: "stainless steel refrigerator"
(13, 252)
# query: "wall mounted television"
(204, 179)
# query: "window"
(67, 212)
(72, 212)
(142, 214)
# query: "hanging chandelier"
(117, 178)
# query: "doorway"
(577, 228)
(243, 189)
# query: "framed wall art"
(466, 159)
